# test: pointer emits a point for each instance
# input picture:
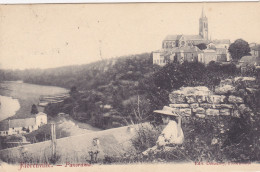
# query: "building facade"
(22, 126)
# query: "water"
(8, 107)
(17, 98)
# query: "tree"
(238, 49)
(202, 46)
(34, 110)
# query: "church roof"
(172, 37)
(193, 37)
(221, 41)
(187, 37)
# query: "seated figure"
(172, 134)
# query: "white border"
(109, 1)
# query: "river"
(17, 97)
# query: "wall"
(202, 102)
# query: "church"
(183, 47)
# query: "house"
(22, 126)
(221, 54)
(255, 51)
(208, 56)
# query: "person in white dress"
(172, 134)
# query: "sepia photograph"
(130, 84)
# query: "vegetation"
(238, 49)
(126, 91)
(202, 46)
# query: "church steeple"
(203, 29)
(202, 13)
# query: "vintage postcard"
(133, 86)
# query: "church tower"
(203, 30)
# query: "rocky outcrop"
(201, 102)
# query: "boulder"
(225, 89)
(200, 115)
(212, 112)
(216, 99)
(224, 112)
(179, 105)
(235, 99)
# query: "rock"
(244, 109)
(201, 98)
(191, 99)
(200, 115)
(225, 89)
(224, 112)
(185, 111)
(221, 106)
(199, 110)
(236, 114)
(177, 98)
(194, 105)
(216, 99)
(179, 105)
(206, 105)
(212, 112)
(251, 90)
(246, 81)
(226, 82)
(234, 99)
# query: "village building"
(180, 48)
(255, 51)
(22, 126)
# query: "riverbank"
(27, 95)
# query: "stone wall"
(202, 102)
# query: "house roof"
(209, 51)
(22, 122)
(221, 41)
(41, 113)
(251, 60)
(256, 48)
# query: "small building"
(255, 51)
(158, 58)
(208, 56)
(22, 126)
(221, 54)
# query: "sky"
(47, 36)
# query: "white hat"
(166, 111)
